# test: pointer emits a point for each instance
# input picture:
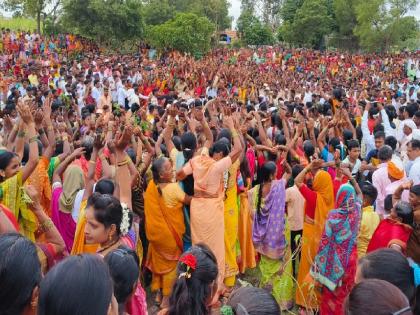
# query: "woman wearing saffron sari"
(271, 235)
(319, 201)
(207, 209)
(164, 201)
(336, 262)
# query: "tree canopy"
(186, 32)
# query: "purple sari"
(269, 223)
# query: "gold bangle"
(65, 138)
(92, 162)
(46, 225)
(50, 128)
(33, 139)
(21, 134)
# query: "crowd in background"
(250, 181)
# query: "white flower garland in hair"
(125, 222)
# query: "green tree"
(217, 11)
(310, 24)
(382, 25)
(252, 31)
(289, 9)
(186, 32)
(158, 11)
(113, 23)
(37, 9)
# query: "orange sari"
(207, 207)
(164, 230)
(312, 231)
(40, 180)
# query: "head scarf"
(269, 223)
(410, 124)
(395, 169)
(338, 239)
(73, 182)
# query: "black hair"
(157, 168)
(369, 191)
(380, 130)
(267, 170)
(253, 301)
(220, 146)
(87, 143)
(389, 265)
(415, 190)
(411, 109)
(5, 159)
(379, 135)
(385, 153)
(379, 297)
(108, 210)
(20, 273)
(177, 142)
(388, 203)
(415, 144)
(78, 285)
(392, 142)
(190, 295)
(308, 148)
(351, 144)
(225, 133)
(105, 186)
(334, 142)
(123, 265)
(280, 140)
(405, 211)
(189, 145)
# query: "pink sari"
(63, 221)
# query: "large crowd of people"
(251, 181)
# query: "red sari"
(390, 232)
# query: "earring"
(34, 304)
(110, 237)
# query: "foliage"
(253, 31)
(382, 25)
(310, 24)
(113, 23)
(289, 9)
(18, 23)
(37, 9)
(156, 12)
(217, 11)
(186, 32)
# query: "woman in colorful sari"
(271, 235)
(207, 209)
(13, 177)
(336, 262)
(165, 226)
(319, 201)
(64, 194)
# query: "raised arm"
(26, 115)
(123, 177)
(52, 236)
(63, 165)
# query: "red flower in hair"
(189, 260)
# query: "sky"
(235, 10)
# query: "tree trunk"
(38, 21)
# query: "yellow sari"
(14, 197)
(231, 214)
(79, 245)
(306, 295)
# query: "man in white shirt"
(413, 152)
(121, 94)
